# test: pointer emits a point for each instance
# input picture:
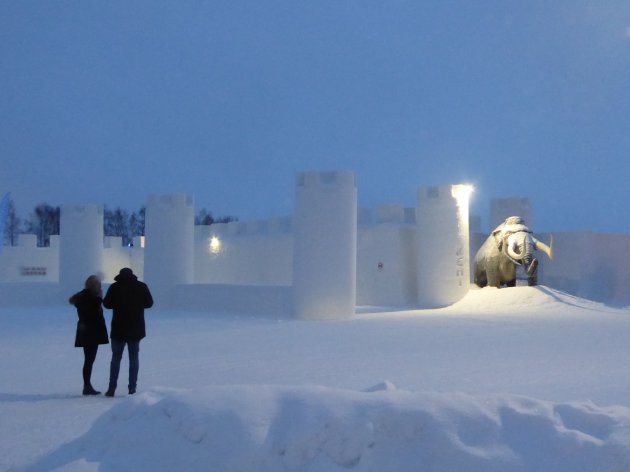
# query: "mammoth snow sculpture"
(510, 245)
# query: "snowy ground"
(523, 379)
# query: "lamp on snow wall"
(214, 245)
(462, 193)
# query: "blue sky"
(108, 102)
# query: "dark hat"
(125, 274)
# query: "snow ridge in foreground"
(274, 428)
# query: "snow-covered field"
(522, 379)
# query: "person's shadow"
(32, 397)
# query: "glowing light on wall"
(215, 245)
(462, 193)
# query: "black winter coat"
(91, 329)
(128, 297)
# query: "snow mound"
(312, 428)
(522, 299)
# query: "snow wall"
(116, 256)
(28, 263)
(386, 257)
(502, 208)
(255, 253)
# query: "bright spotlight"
(462, 192)
(215, 245)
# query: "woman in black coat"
(91, 329)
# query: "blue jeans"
(133, 349)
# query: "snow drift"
(268, 429)
(539, 299)
(530, 368)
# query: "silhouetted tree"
(43, 222)
(13, 226)
(116, 223)
(226, 219)
(120, 223)
(139, 231)
(204, 217)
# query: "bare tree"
(204, 217)
(13, 225)
(43, 222)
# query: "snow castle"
(318, 264)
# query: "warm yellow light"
(462, 192)
(215, 245)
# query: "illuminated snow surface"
(522, 379)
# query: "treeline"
(44, 222)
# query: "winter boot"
(89, 390)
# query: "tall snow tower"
(80, 244)
(325, 245)
(443, 250)
(169, 241)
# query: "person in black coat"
(128, 298)
(91, 329)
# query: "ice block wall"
(80, 244)
(325, 245)
(442, 244)
(169, 229)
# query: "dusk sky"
(108, 102)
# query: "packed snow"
(519, 379)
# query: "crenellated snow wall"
(322, 262)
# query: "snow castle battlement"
(319, 263)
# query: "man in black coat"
(127, 297)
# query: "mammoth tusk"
(546, 249)
(515, 256)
